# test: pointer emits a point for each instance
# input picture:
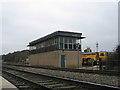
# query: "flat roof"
(92, 52)
(55, 34)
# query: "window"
(78, 41)
(70, 40)
(52, 40)
(46, 43)
(61, 45)
(101, 54)
(66, 40)
(42, 45)
(61, 39)
(74, 46)
(55, 40)
(106, 53)
(66, 46)
(74, 40)
(68, 43)
(32, 47)
(70, 46)
(79, 47)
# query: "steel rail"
(70, 80)
(111, 73)
(32, 81)
(28, 80)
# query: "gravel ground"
(89, 77)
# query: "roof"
(88, 52)
(91, 52)
(55, 34)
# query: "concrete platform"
(6, 85)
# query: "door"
(62, 61)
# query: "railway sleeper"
(19, 84)
(23, 87)
(45, 81)
(57, 86)
(49, 83)
(66, 87)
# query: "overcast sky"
(23, 22)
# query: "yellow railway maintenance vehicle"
(91, 57)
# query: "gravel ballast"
(87, 77)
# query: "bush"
(114, 60)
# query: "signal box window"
(61, 45)
(70, 46)
(66, 46)
(74, 46)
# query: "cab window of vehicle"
(101, 54)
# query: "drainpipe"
(79, 55)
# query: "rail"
(75, 83)
(112, 73)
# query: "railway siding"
(95, 78)
(87, 77)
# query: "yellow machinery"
(89, 57)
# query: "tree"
(114, 60)
(19, 56)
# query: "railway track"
(104, 72)
(32, 80)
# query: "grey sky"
(23, 22)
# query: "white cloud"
(65, 1)
(0, 29)
(26, 21)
